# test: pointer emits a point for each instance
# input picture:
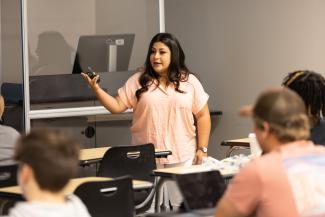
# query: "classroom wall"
(10, 69)
(238, 48)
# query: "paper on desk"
(229, 165)
(237, 160)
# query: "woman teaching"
(164, 96)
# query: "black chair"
(137, 161)
(8, 175)
(12, 93)
(108, 198)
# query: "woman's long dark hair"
(177, 71)
(310, 86)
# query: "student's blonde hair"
(285, 113)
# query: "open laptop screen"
(201, 190)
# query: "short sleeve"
(245, 190)
(127, 92)
(200, 97)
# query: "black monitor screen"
(103, 53)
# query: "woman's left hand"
(199, 156)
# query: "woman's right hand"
(112, 104)
(91, 82)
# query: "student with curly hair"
(310, 86)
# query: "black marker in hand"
(91, 74)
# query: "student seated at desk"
(289, 179)
(47, 161)
(8, 138)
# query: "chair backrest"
(135, 160)
(12, 93)
(8, 175)
(201, 190)
(108, 198)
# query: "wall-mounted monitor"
(103, 53)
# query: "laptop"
(201, 190)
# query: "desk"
(235, 144)
(168, 173)
(95, 155)
(15, 193)
(209, 212)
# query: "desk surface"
(92, 153)
(236, 142)
(96, 154)
(208, 212)
(74, 183)
(170, 172)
